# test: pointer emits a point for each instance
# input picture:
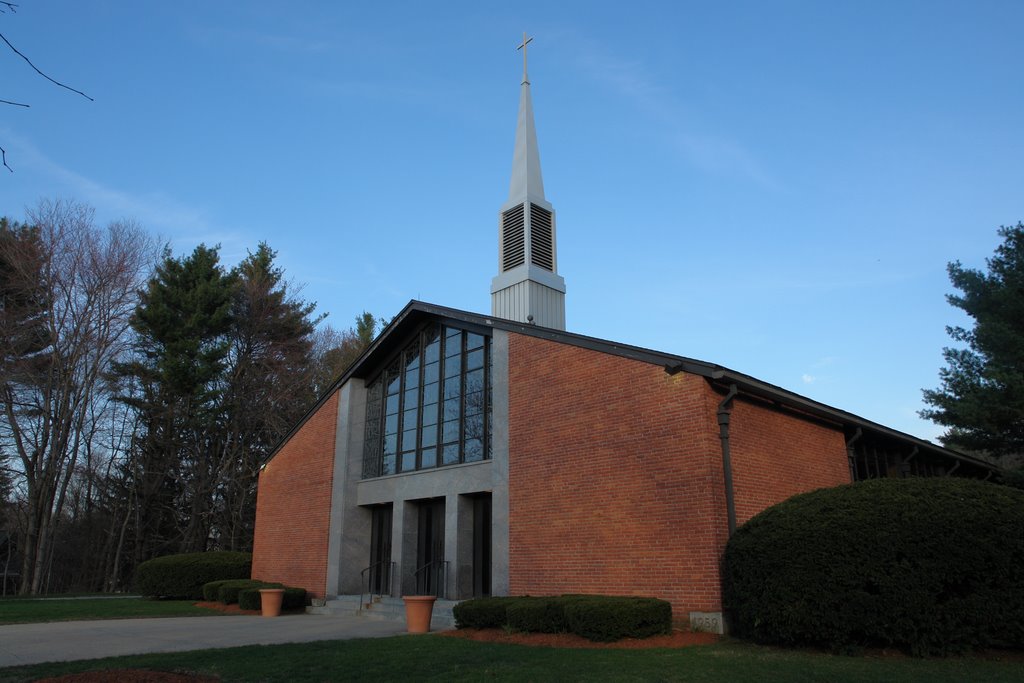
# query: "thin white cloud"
(708, 150)
(808, 379)
(185, 226)
(247, 39)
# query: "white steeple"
(527, 288)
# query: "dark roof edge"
(715, 373)
(756, 387)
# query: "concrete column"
(500, 456)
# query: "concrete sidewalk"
(69, 640)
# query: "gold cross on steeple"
(522, 47)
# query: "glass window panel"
(409, 439)
(430, 372)
(475, 427)
(429, 436)
(452, 366)
(475, 359)
(430, 393)
(389, 464)
(474, 450)
(429, 414)
(452, 388)
(412, 379)
(450, 432)
(409, 419)
(451, 409)
(392, 405)
(408, 461)
(453, 342)
(428, 458)
(432, 351)
(450, 454)
(412, 357)
(474, 341)
(474, 403)
(412, 399)
(393, 379)
(475, 380)
(391, 444)
(391, 424)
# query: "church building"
(466, 454)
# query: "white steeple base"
(529, 295)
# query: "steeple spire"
(527, 287)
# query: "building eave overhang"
(417, 313)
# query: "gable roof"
(416, 313)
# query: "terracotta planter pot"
(418, 610)
(270, 601)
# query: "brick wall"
(293, 506)
(615, 474)
(615, 477)
(776, 455)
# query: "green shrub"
(482, 612)
(595, 617)
(605, 619)
(210, 589)
(537, 615)
(934, 566)
(227, 592)
(183, 576)
(294, 598)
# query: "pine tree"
(981, 399)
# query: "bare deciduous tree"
(83, 281)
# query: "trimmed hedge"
(933, 566)
(227, 591)
(294, 598)
(482, 613)
(610, 619)
(599, 618)
(210, 589)
(537, 615)
(183, 576)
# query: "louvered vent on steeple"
(513, 238)
(541, 238)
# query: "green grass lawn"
(436, 658)
(23, 611)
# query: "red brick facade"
(776, 455)
(615, 474)
(293, 506)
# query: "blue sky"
(775, 187)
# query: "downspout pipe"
(851, 454)
(724, 414)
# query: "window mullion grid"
(463, 341)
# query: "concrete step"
(385, 609)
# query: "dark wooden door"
(482, 545)
(380, 551)
(430, 574)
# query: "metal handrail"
(369, 592)
(440, 587)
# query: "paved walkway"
(69, 640)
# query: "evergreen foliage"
(600, 618)
(981, 399)
(294, 598)
(183, 576)
(934, 566)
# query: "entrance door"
(380, 551)
(482, 545)
(430, 566)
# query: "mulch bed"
(497, 635)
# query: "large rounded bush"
(934, 566)
(183, 576)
